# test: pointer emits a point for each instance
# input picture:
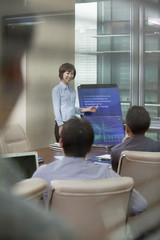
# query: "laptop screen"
(107, 121)
(26, 163)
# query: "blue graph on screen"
(107, 121)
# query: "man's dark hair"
(66, 67)
(77, 137)
(138, 120)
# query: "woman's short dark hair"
(77, 137)
(138, 119)
(66, 67)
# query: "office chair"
(30, 189)
(144, 168)
(13, 139)
(2, 148)
(95, 209)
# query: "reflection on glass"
(151, 64)
(118, 42)
(102, 44)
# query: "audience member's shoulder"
(155, 142)
(118, 146)
(44, 168)
(39, 170)
(157, 145)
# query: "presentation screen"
(107, 121)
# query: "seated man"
(137, 123)
(76, 140)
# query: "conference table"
(48, 154)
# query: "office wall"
(53, 44)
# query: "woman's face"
(67, 77)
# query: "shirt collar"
(139, 136)
(73, 159)
(63, 86)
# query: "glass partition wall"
(118, 42)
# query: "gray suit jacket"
(136, 143)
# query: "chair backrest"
(144, 168)
(30, 189)
(13, 139)
(2, 147)
(95, 209)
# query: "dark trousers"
(56, 132)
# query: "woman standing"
(64, 97)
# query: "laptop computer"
(25, 163)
